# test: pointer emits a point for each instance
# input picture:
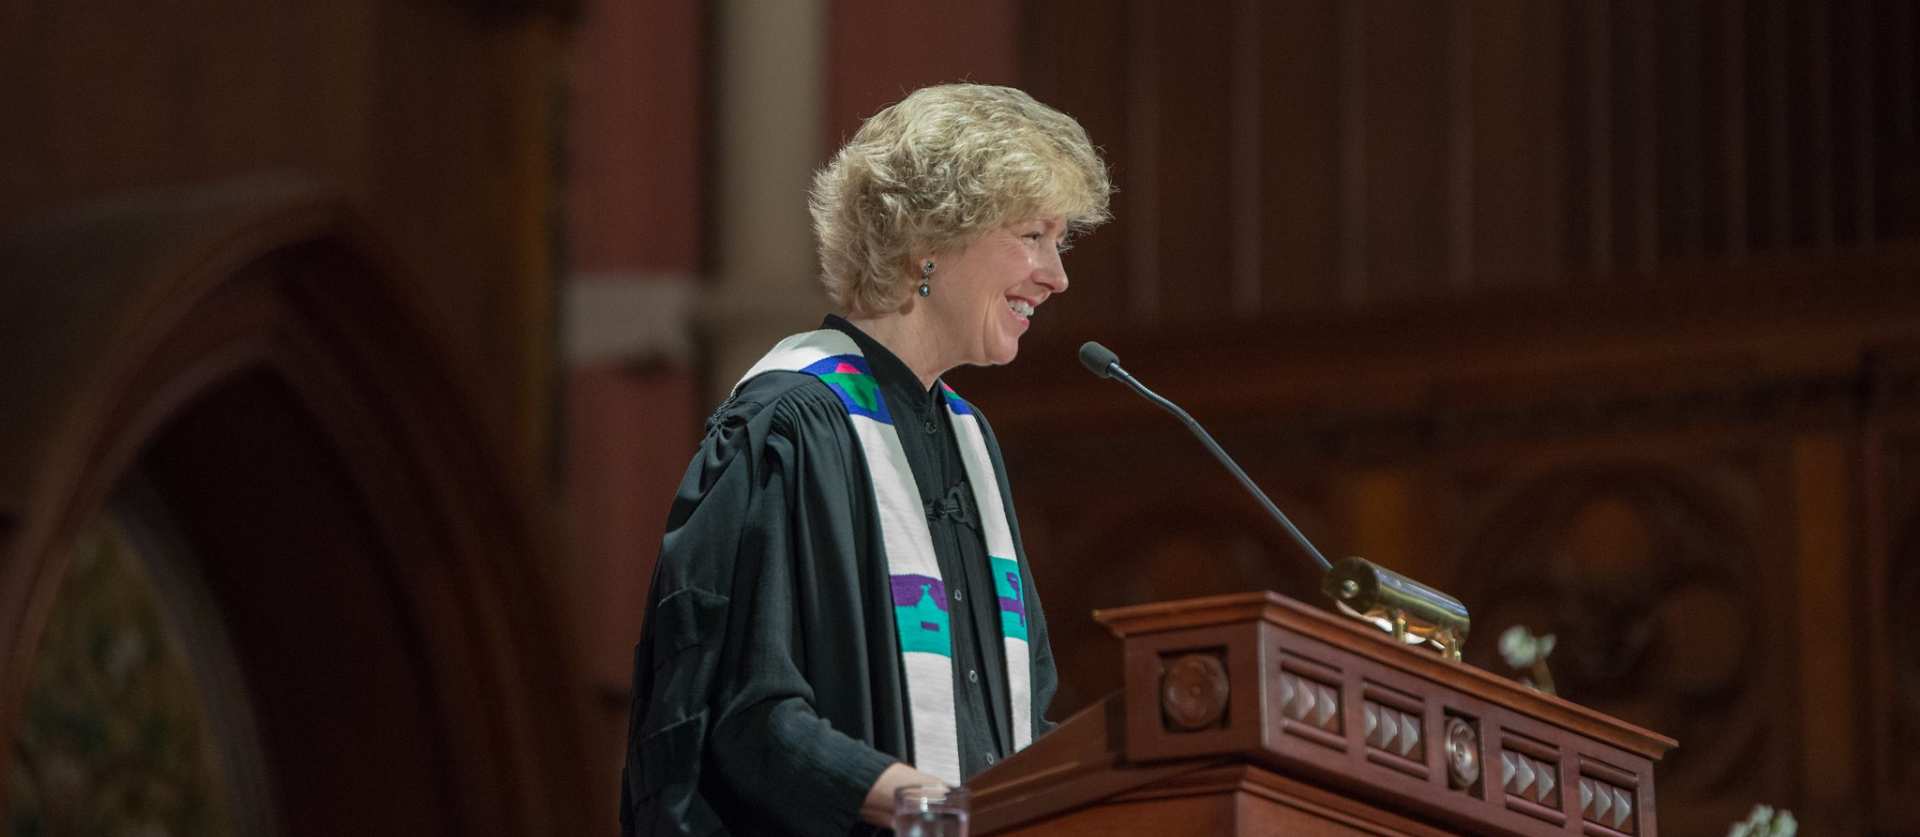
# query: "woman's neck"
(908, 340)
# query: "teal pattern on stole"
(1013, 604)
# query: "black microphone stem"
(1213, 447)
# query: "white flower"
(1763, 822)
(1520, 648)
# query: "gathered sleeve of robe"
(767, 682)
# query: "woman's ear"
(917, 259)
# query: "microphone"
(1102, 362)
(1412, 612)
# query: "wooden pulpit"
(1256, 714)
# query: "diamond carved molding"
(1529, 778)
(1393, 731)
(1309, 701)
(1605, 804)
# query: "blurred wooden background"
(1709, 511)
(1603, 315)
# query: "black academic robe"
(768, 693)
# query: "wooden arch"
(252, 354)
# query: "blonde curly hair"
(934, 172)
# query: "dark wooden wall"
(435, 118)
(291, 266)
(1601, 315)
(1282, 157)
(242, 361)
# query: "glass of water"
(930, 811)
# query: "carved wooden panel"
(1313, 695)
(1661, 584)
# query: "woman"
(842, 606)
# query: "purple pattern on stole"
(1013, 606)
(907, 592)
(1015, 603)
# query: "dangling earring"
(926, 275)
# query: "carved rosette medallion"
(1193, 692)
(1462, 754)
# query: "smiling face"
(985, 294)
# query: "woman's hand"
(878, 809)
